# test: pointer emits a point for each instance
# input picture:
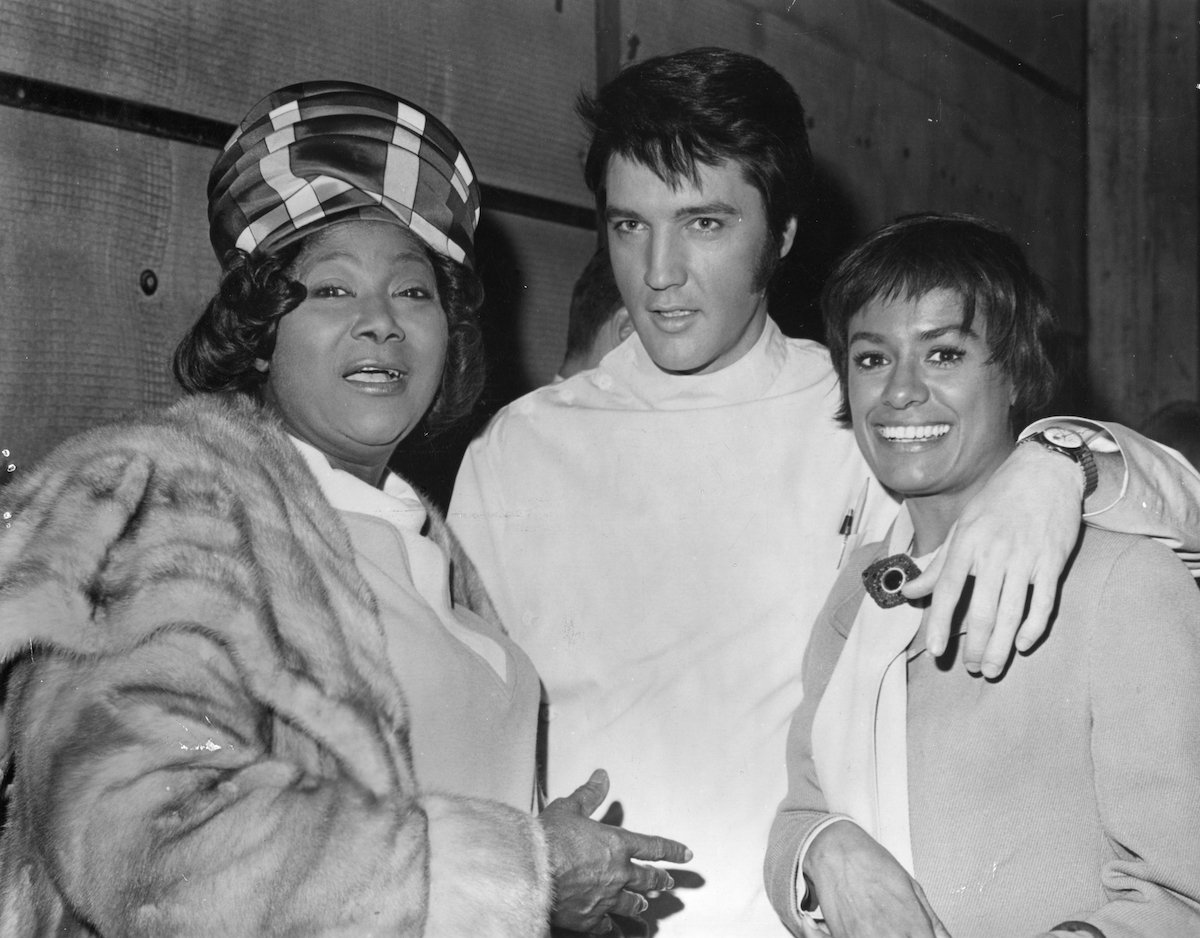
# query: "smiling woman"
(270, 696)
(930, 404)
(938, 329)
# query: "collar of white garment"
(397, 502)
(746, 379)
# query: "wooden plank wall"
(1144, 340)
(950, 104)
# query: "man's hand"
(863, 892)
(592, 863)
(1015, 538)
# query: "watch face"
(1063, 436)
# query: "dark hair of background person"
(594, 299)
(971, 256)
(1177, 425)
(238, 327)
(707, 105)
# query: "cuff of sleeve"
(802, 902)
(1098, 439)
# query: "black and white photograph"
(628, 468)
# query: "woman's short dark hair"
(971, 256)
(705, 105)
(238, 327)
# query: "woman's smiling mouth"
(911, 433)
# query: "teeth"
(374, 375)
(928, 432)
(674, 313)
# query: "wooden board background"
(1142, 205)
(952, 104)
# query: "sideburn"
(768, 262)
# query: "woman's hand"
(592, 863)
(863, 891)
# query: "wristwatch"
(1068, 442)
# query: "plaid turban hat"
(318, 152)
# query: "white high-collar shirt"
(660, 546)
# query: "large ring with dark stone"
(884, 578)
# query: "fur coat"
(201, 730)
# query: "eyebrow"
(927, 336)
(716, 207)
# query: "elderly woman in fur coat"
(253, 687)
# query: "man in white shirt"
(659, 533)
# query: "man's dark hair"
(977, 260)
(238, 327)
(593, 301)
(707, 106)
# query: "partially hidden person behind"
(660, 532)
(253, 685)
(1060, 798)
(597, 320)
